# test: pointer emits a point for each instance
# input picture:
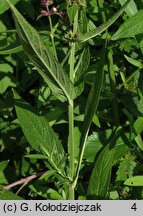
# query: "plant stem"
(113, 86)
(24, 180)
(52, 38)
(71, 192)
(71, 128)
(71, 141)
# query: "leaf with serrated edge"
(91, 108)
(131, 9)
(43, 60)
(100, 177)
(40, 135)
(131, 27)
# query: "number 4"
(134, 207)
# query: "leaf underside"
(42, 58)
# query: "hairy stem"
(71, 141)
(24, 180)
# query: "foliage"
(71, 99)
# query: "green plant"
(70, 96)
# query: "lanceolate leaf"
(4, 6)
(94, 95)
(104, 26)
(71, 11)
(138, 125)
(83, 63)
(131, 27)
(83, 21)
(39, 134)
(94, 145)
(43, 60)
(100, 177)
(80, 71)
(91, 107)
(131, 9)
(134, 62)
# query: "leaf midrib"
(31, 44)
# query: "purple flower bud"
(53, 10)
(45, 13)
(46, 2)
